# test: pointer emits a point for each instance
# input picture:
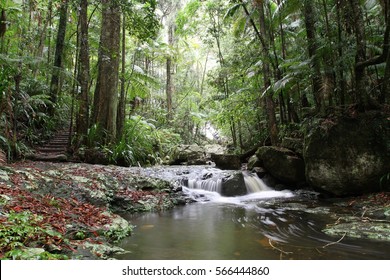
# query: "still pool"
(257, 226)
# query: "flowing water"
(262, 224)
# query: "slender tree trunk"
(122, 98)
(106, 92)
(269, 102)
(341, 88)
(204, 73)
(329, 61)
(310, 16)
(60, 46)
(83, 75)
(42, 38)
(3, 28)
(386, 77)
(361, 93)
(169, 82)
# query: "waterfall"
(236, 187)
(253, 183)
(226, 184)
(211, 185)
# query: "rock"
(226, 162)
(101, 251)
(293, 144)
(96, 156)
(189, 154)
(360, 229)
(234, 185)
(214, 149)
(32, 253)
(260, 171)
(348, 156)
(283, 164)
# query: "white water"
(253, 183)
(209, 191)
(245, 200)
(205, 184)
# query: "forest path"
(55, 149)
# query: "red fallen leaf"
(17, 208)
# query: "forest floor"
(67, 210)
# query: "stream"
(261, 224)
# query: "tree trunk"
(83, 75)
(386, 46)
(60, 46)
(341, 87)
(361, 93)
(269, 102)
(169, 66)
(310, 16)
(42, 37)
(106, 95)
(3, 29)
(122, 97)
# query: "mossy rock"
(348, 156)
(283, 164)
(361, 230)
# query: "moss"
(362, 230)
(118, 229)
(102, 251)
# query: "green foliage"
(93, 136)
(141, 20)
(24, 229)
(116, 234)
(142, 143)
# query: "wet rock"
(283, 164)
(234, 185)
(348, 155)
(260, 171)
(361, 229)
(226, 162)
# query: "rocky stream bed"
(73, 211)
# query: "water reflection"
(227, 231)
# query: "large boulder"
(234, 185)
(283, 164)
(214, 149)
(189, 154)
(226, 162)
(348, 155)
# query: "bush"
(143, 144)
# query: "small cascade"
(253, 183)
(211, 185)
